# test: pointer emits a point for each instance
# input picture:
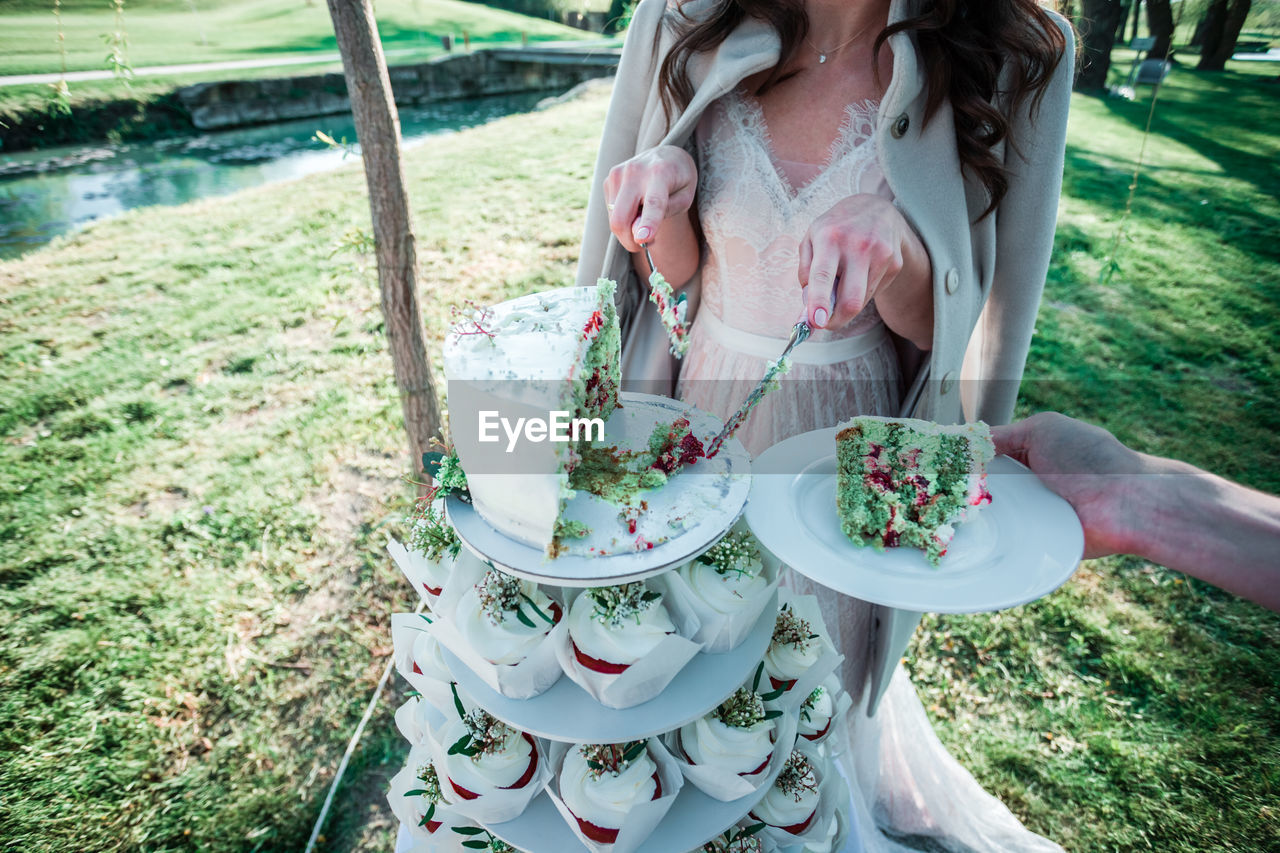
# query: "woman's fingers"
(652, 211)
(819, 281)
(622, 216)
(851, 291)
(647, 189)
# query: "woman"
(889, 170)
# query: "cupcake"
(729, 576)
(486, 755)
(601, 783)
(504, 618)
(795, 648)
(612, 627)
(433, 546)
(792, 802)
(737, 737)
(817, 710)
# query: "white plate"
(684, 518)
(568, 713)
(1021, 546)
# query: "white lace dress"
(754, 210)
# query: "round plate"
(684, 518)
(568, 713)
(694, 819)
(1022, 546)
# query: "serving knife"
(799, 334)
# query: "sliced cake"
(520, 373)
(903, 481)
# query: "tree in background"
(1097, 23)
(1160, 25)
(1220, 31)
(378, 129)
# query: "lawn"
(167, 32)
(201, 459)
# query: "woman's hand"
(647, 190)
(863, 249)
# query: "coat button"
(948, 382)
(900, 125)
(952, 280)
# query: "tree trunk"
(1226, 19)
(1160, 24)
(1097, 24)
(1137, 16)
(378, 130)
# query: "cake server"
(799, 334)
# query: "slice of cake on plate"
(903, 481)
(526, 377)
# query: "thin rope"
(1112, 265)
(351, 748)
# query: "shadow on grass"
(1211, 118)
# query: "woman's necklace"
(823, 54)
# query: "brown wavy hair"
(964, 46)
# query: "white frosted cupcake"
(601, 783)
(486, 755)
(433, 545)
(504, 618)
(612, 627)
(737, 737)
(817, 710)
(428, 659)
(728, 576)
(794, 649)
(792, 801)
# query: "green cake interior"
(907, 482)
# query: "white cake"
(530, 358)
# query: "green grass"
(201, 457)
(167, 32)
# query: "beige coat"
(987, 277)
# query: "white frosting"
(626, 642)
(785, 662)
(819, 715)
(486, 772)
(428, 656)
(537, 342)
(778, 808)
(510, 641)
(726, 592)
(607, 800)
(709, 741)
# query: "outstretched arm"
(1166, 511)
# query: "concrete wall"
(485, 72)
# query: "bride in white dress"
(784, 189)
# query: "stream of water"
(54, 191)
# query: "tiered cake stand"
(568, 713)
